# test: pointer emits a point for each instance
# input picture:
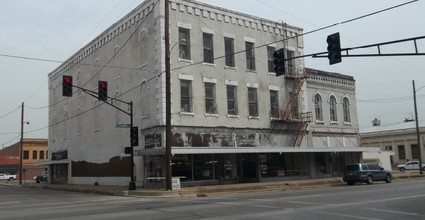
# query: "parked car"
(42, 177)
(6, 176)
(411, 165)
(365, 173)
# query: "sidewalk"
(202, 191)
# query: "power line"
(3, 116)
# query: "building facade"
(35, 150)
(232, 118)
(400, 140)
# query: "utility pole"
(167, 99)
(21, 144)
(417, 127)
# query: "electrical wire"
(11, 112)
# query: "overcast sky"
(55, 29)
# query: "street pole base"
(132, 185)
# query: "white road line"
(391, 211)
(308, 203)
(11, 202)
(348, 216)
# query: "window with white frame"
(229, 50)
(252, 102)
(332, 109)
(270, 59)
(208, 48)
(186, 95)
(232, 104)
(184, 43)
(274, 103)
(346, 110)
(250, 55)
(318, 107)
(210, 104)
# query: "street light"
(417, 125)
(21, 144)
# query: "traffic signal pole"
(132, 184)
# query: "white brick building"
(232, 118)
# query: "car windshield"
(353, 167)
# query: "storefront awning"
(50, 162)
(240, 150)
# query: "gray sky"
(55, 29)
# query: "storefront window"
(272, 165)
(182, 167)
(203, 167)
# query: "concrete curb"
(203, 191)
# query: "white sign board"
(175, 183)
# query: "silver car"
(411, 165)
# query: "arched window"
(332, 109)
(346, 110)
(318, 107)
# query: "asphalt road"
(398, 200)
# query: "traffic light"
(102, 90)
(127, 150)
(67, 86)
(134, 136)
(334, 48)
(279, 62)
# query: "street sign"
(122, 125)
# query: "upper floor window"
(253, 102)
(41, 155)
(210, 106)
(346, 110)
(291, 62)
(184, 43)
(186, 95)
(26, 155)
(232, 104)
(229, 50)
(318, 107)
(250, 55)
(270, 59)
(34, 155)
(208, 48)
(274, 103)
(332, 109)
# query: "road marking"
(349, 216)
(11, 202)
(391, 211)
(308, 203)
(249, 205)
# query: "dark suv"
(365, 173)
(42, 177)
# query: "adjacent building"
(233, 119)
(399, 140)
(35, 151)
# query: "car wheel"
(388, 179)
(38, 181)
(423, 168)
(350, 183)
(11, 178)
(369, 180)
(402, 169)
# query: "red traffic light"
(102, 90)
(67, 86)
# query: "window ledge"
(271, 73)
(320, 122)
(254, 117)
(211, 115)
(250, 71)
(347, 123)
(233, 116)
(230, 68)
(185, 61)
(334, 123)
(96, 129)
(187, 114)
(209, 64)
